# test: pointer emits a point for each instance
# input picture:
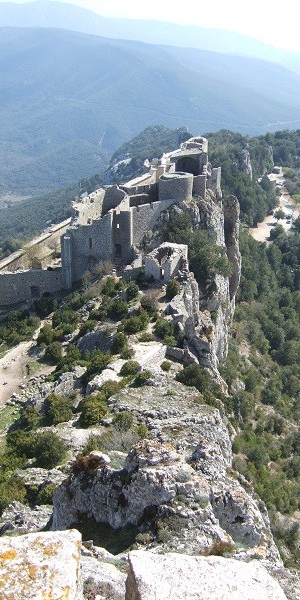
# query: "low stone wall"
(27, 286)
(41, 247)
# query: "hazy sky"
(259, 18)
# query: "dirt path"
(261, 233)
(13, 371)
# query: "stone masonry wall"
(112, 198)
(28, 285)
(176, 185)
(41, 247)
(90, 244)
(89, 208)
(144, 217)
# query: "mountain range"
(46, 13)
(69, 99)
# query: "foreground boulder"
(177, 576)
(41, 565)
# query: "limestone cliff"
(206, 314)
(177, 488)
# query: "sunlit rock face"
(41, 566)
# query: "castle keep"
(111, 223)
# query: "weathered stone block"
(41, 566)
(177, 576)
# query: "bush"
(123, 421)
(149, 303)
(119, 343)
(198, 377)
(164, 328)
(166, 365)
(136, 322)
(49, 450)
(132, 290)
(173, 287)
(21, 443)
(11, 490)
(46, 335)
(118, 309)
(29, 418)
(146, 336)
(131, 367)
(127, 353)
(53, 352)
(45, 495)
(142, 378)
(58, 409)
(93, 410)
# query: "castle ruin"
(111, 223)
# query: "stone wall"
(122, 236)
(89, 208)
(144, 217)
(112, 198)
(175, 185)
(29, 285)
(165, 261)
(199, 185)
(90, 244)
(42, 247)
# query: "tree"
(279, 214)
(173, 287)
(49, 450)
(93, 410)
(58, 409)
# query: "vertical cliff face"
(206, 312)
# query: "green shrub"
(58, 409)
(142, 378)
(127, 353)
(45, 495)
(166, 365)
(146, 336)
(131, 367)
(49, 450)
(198, 377)
(109, 287)
(93, 410)
(29, 418)
(164, 328)
(46, 335)
(149, 303)
(136, 323)
(11, 490)
(132, 290)
(118, 309)
(119, 343)
(173, 288)
(53, 352)
(123, 421)
(22, 443)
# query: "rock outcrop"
(174, 576)
(40, 566)
(176, 489)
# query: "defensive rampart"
(27, 286)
